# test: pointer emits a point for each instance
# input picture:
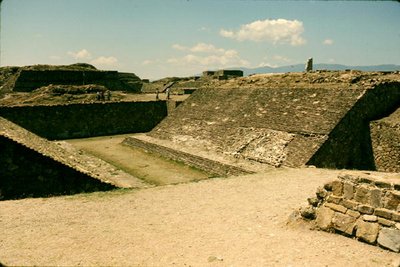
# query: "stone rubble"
(365, 207)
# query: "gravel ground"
(240, 221)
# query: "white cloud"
(328, 42)
(207, 55)
(105, 61)
(279, 31)
(179, 47)
(82, 54)
(147, 62)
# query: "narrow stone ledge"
(336, 207)
(385, 213)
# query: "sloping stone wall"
(87, 120)
(207, 165)
(365, 207)
(26, 173)
(385, 136)
(349, 144)
(281, 126)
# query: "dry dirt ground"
(237, 221)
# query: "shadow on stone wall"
(87, 120)
(26, 173)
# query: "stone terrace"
(281, 126)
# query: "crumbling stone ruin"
(27, 79)
(366, 207)
(327, 128)
(223, 74)
(243, 125)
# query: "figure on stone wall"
(98, 96)
(309, 64)
(157, 95)
(108, 95)
(102, 97)
(167, 89)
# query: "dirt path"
(239, 221)
(148, 167)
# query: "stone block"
(337, 188)
(343, 223)
(392, 200)
(382, 184)
(362, 195)
(385, 213)
(365, 209)
(367, 231)
(389, 238)
(328, 186)
(324, 218)
(366, 180)
(321, 193)
(396, 216)
(349, 204)
(385, 222)
(376, 196)
(313, 201)
(348, 190)
(370, 218)
(336, 207)
(353, 213)
(334, 199)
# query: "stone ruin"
(365, 207)
(327, 128)
(223, 74)
(29, 78)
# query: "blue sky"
(160, 38)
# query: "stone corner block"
(389, 238)
(324, 217)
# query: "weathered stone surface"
(321, 193)
(365, 209)
(328, 186)
(324, 218)
(337, 187)
(367, 231)
(389, 238)
(385, 213)
(313, 201)
(362, 194)
(334, 199)
(348, 190)
(392, 200)
(343, 223)
(376, 195)
(349, 204)
(308, 213)
(336, 207)
(353, 213)
(370, 218)
(385, 222)
(396, 216)
(382, 184)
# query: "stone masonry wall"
(349, 145)
(26, 173)
(28, 80)
(385, 136)
(364, 207)
(87, 120)
(207, 165)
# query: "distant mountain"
(300, 68)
